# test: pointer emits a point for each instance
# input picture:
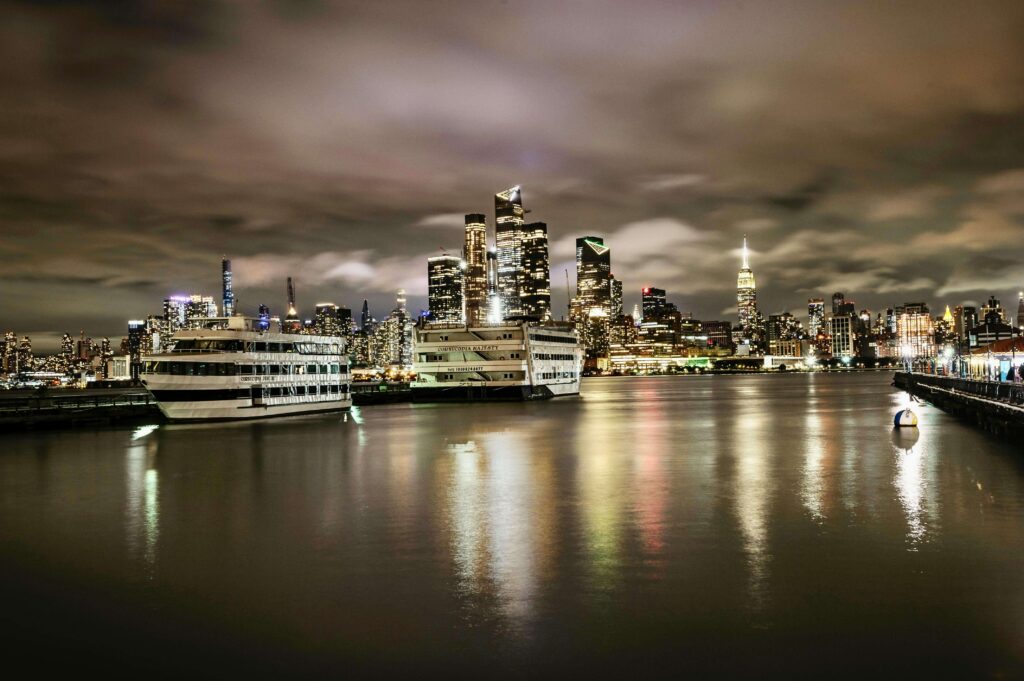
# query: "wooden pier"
(69, 408)
(997, 407)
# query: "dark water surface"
(697, 526)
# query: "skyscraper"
(535, 287)
(474, 252)
(229, 296)
(364, 316)
(746, 297)
(291, 323)
(615, 295)
(508, 218)
(136, 329)
(326, 320)
(593, 272)
(915, 331)
(815, 316)
(445, 275)
(653, 300)
(1020, 310)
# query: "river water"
(676, 526)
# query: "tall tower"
(445, 280)
(1020, 310)
(535, 288)
(474, 253)
(364, 316)
(229, 295)
(593, 276)
(292, 323)
(508, 218)
(815, 316)
(746, 295)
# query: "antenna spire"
(746, 261)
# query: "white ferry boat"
(230, 369)
(510, 361)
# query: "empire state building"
(746, 295)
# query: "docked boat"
(509, 361)
(231, 369)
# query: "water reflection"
(142, 509)
(911, 484)
(752, 494)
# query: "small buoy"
(905, 418)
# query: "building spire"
(746, 262)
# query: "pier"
(996, 406)
(69, 408)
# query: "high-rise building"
(508, 218)
(199, 307)
(136, 345)
(494, 313)
(292, 323)
(229, 294)
(842, 329)
(174, 313)
(445, 280)
(746, 300)
(264, 317)
(615, 294)
(653, 300)
(915, 331)
(992, 311)
(474, 252)
(326, 320)
(1020, 310)
(593, 277)
(535, 284)
(815, 316)
(364, 316)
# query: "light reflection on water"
(647, 505)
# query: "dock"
(365, 393)
(995, 406)
(26, 409)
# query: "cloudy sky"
(875, 148)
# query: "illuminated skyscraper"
(746, 297)
(445, 275)
(615, 294)
(653, 300)
(508, 217)
(229, 295)
(474, 252)
(198, 307)
(593, 277)
(136, 330)
(1020, 310)
(535, 288)
(915, 331)
(815, 316)
(326, 320)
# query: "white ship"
(230, 369)
(510, 361)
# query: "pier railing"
(1011, 393)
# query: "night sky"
(875, 148)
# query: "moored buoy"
(905, 418)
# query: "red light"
(647, 290)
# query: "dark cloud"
(869, 146)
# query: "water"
(718, 526)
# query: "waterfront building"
(915, 331)
(990, 332)
(445, 281)
(228, 292)
(508, 217)
(815, 316)
(718, 333)
(474, 252)
(782, 328)
(535, 287)
(965, 318)
(593, 277)
(842, 332)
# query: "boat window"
(261, 369)
(273, 347)
(334, 389)
(335, 369)
(311, 369)
(300, 390)
(246, 369)
(275, 369)
(275, 392)
(260, 346)
(287, 347)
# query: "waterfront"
(654, 526)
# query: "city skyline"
(175, 139)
